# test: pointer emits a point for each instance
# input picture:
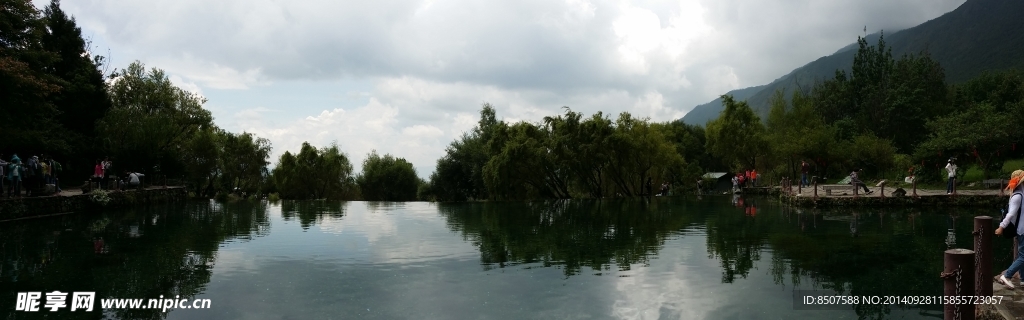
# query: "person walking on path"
(951, 170)
(855, 180)
(1012, 213)
(804, 169)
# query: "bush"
(100, 197)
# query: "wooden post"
(983, 261)
(958, 279)
(881, 192)
(815, 189)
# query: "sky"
(409, 77)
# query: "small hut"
(717, 181)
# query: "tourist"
(107, 174)
(735, 183)
(855, 180)
(134, 179)
(29, 174)
(45, 168)
(3, 177)
(804, 169)
(951, 171)
(753, 177)
(1012, 216)
(97, 174)
(14, 171)
(54, 168)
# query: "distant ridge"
(978, 36)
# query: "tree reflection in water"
(854, 252)
(143, 253)
(172, 250)
(570, 234)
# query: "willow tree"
(459, 173)
(641, 157)
(244, 160)
(520, 166)
(580, 147)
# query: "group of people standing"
(33, 175)
(744, 179)
(103, 176)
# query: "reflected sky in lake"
(666, 258)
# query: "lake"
(664, 258)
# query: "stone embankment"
(806, 197)
(28, 207)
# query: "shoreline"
(37, 207)
(924, 197)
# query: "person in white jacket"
(951, 170)
(1013, 211)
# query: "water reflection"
(569, 234)
(670, 257)
(311, 212)
(142, 253)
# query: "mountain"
(702, 113)
(978, 36)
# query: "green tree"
(150, 119)
(458, 175)
(387, 178)
(521, 167)
(981, 133)
(891, 99)
(243, 161)
(581, 148)
(26, 86)
(201, 157)
(82, 99)
(314, 174)
(797, 132)
(737, 135)
(642, 158)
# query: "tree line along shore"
(889, 116)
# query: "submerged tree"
(387, 178)
(314, 174)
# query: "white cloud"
(424, 67)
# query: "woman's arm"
(1011, 215)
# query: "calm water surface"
(667, 258)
